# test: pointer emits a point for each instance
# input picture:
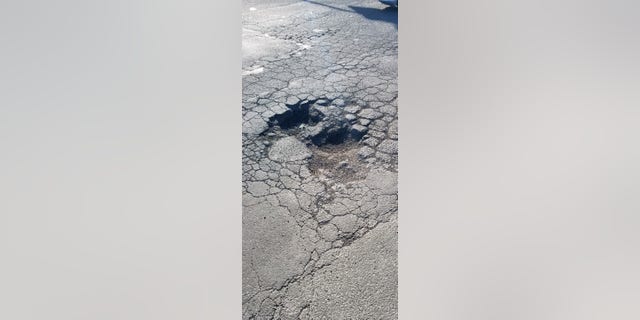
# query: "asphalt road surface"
(320, 157)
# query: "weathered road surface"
(320, 161)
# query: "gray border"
(120, 167)
(519, 160)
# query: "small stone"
(365, 152)
(378, 125)
(314, 131)
(279, 109)
(357, 131)
(342, 165)
(383, 156)
(364, 122)
(372, 142)
(322, 102)
(350, 117)
(377, 134)
(388, 146)
(292, 100)
(332, 95)
(370, 114)
(388, 109)
(352, 108)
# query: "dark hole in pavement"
(331, 135)
(318, 121)
(296, 115)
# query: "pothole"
(295, 116)
(330, 131)
(319, 122)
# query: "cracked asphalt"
(320, 157)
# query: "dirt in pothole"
(339, 162)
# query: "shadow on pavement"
(326, 5)
(389, 14)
